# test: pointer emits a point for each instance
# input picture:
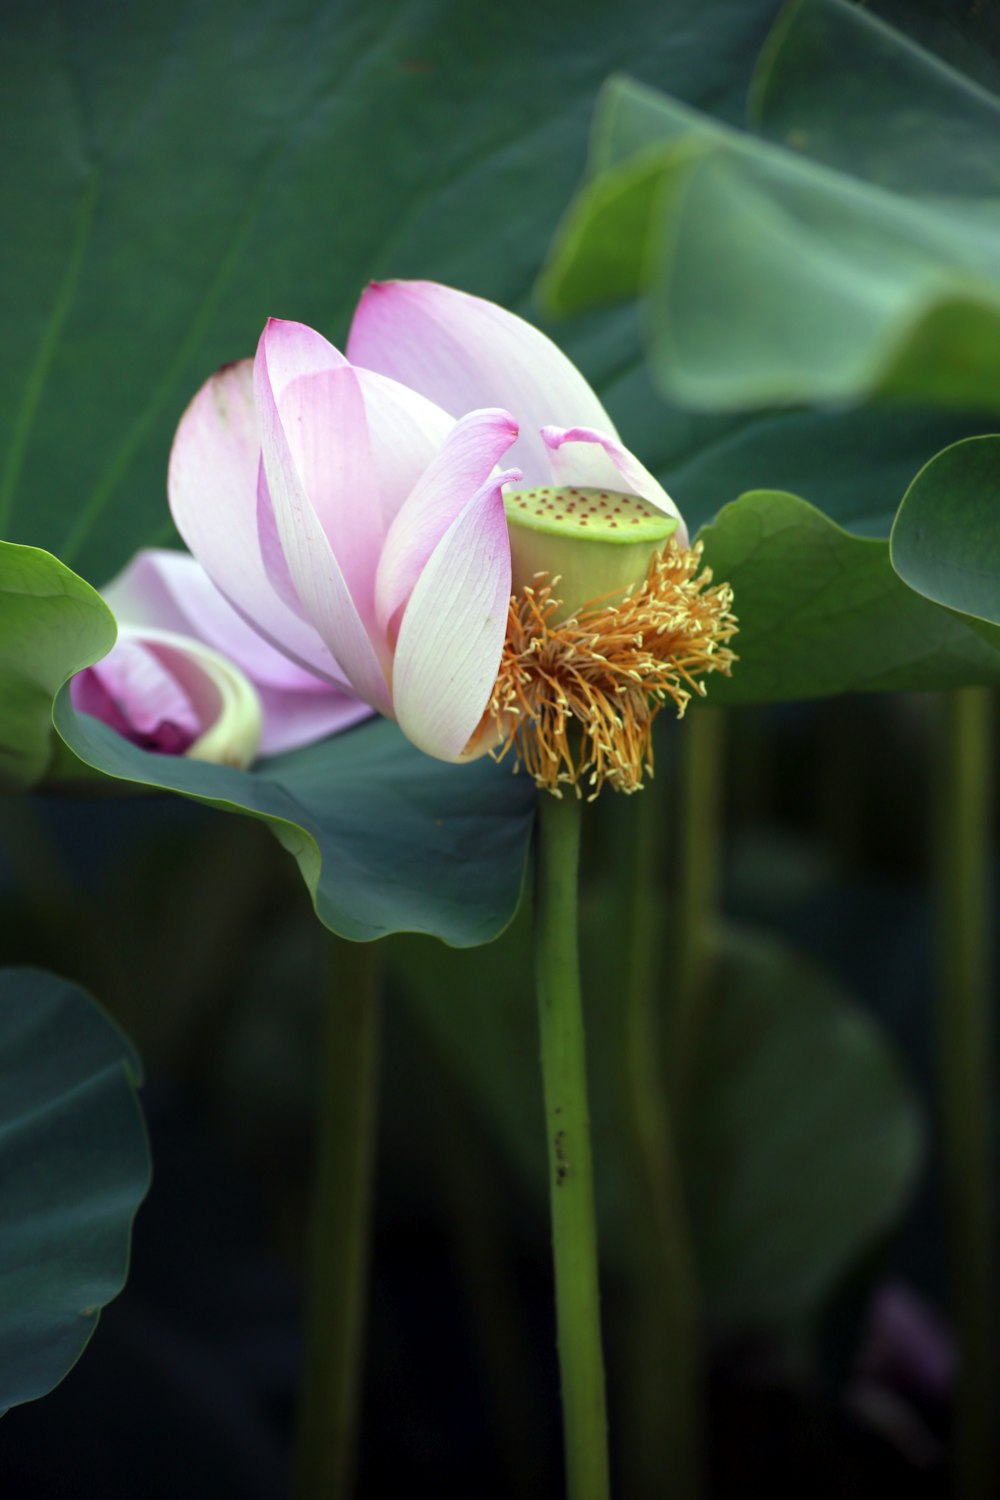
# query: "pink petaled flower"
(351, 508)
(188, 677)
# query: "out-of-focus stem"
(698, 845)
(326, 1440)
(663, 1436)
(967, 1088)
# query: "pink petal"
(294, 718)
(406, 432)
(325, 429)
(226, 702)
(596, 460)
(135, 693)
(271, 554)
(142, 593)
(171, 591)
(212, 485)
(405, 429)
(295, 350)
(464, 352)
(452, 631)
(465, 462)
(312, 563)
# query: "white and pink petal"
(324, 428)
(312, 563)
(465, 461)
(587, 458)
(452, 632)
(212, 487)
(465, 352)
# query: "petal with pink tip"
(294, 350)
(404, 429)
(464, 352)
(312, 563)
(452, 631)
(466, 461)
(586, 458)
(322, 414)
(212, 486)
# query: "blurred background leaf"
(52, 624)
(74, 1164)
(825, 264)
(802, 1140)
(387, 839)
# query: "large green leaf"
(945, 543)
(387, 839)
(52, 624)
(176, 182)
(74, 1164)
(171, 183)
(845, 261)
(803, 1138)
(822, 612)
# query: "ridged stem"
(698, 844)
(571, 1178)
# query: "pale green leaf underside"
(52, 624)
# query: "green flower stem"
(699, 843)
(326, 1439)
(571, 1178)
(663, 1447)
(967, 1086)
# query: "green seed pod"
(599, 543)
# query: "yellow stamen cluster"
(575, 700)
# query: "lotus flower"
(188, 677)
(351, 508)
